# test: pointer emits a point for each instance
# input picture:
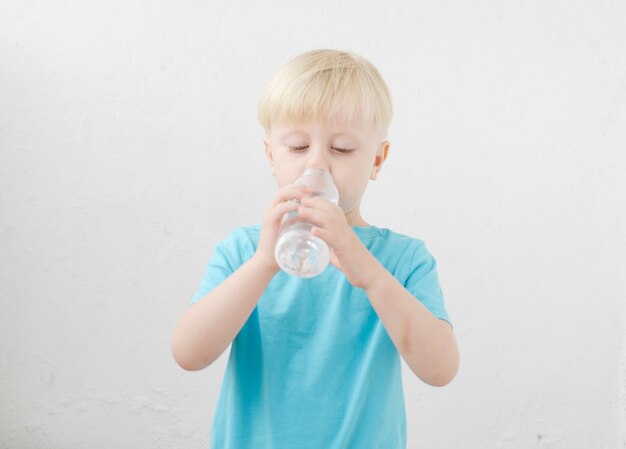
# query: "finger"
(318, 202)
(277, 212)
(317, 217)
(324, 208)
(291, 192)
(325, 234)
(327, 237)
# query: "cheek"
(353, 179)
(347, 193)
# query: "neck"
(354, 218)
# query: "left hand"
(348, 253)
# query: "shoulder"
(403, 238)
(241, 240)
(250, 232)
(397, 241)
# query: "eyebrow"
(289, 134)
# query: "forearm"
(426, 343)
(206, 329)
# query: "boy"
(314, 363)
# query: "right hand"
(280, 205)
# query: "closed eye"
(343, 150)
(337, 149)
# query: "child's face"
(353, 153)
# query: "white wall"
(130, 146)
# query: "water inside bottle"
(300, 253)
(297, 251)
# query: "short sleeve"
(229, 254)
(423, 282)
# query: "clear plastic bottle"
(297, 251)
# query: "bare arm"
(206, 329)
(426, 343)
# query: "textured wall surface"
(129, 146)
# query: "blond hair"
(326, 85)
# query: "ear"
(268, 152)
(379, 160)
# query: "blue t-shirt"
(313, 366)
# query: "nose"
(318, 158)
